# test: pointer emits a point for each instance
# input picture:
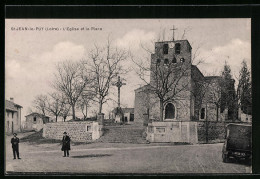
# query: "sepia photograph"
(128, 96)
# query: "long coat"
(15, 143)
(65, 143)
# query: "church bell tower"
(171, 54)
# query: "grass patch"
(37, 138)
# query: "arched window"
(34, 119)
(165, 49)
(158, 61)
(202, 113)
(182, 60)
(177, 48)
(169, 111)
(174, 60)
(166, 61)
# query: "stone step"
(123, 134)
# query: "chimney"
(12, 99)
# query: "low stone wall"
(174, 131)
(211, 131)
(29, 126)
(78, 131)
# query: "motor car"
(238, 142)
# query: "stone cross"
(173, 29)
(119, 84)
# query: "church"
(178, 95)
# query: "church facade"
(178, 91)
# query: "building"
(127, 115)
(245, 115)
(187, 95)
(12, 116)
(35, 121)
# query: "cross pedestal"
(119, 113)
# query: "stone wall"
(214, 131)
(142, 103)
(177, 131)
(78, 131)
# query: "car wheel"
(225, 158)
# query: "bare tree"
(40, 103)
(84, 102)
(201, 88)
(105, 65)
(71, 79)
(56, 103)
(65, 112)
(214, 94)
(168, 79)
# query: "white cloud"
(28, 78)
(133, 38)
(13, 67)
(234, 52)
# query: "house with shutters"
(12, 116)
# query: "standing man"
(65, 144)
(15, 146)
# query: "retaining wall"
(212, 131)
(174, 131)
(78, 131)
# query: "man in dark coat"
(15, 146)
(65, 144)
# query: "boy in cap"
(15, 146)
(65, 144)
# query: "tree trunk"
(56, 118)
(64, 118)
(100, 107)
(217, 113)
(161, 110)
(206, 125)
(207, 131)
(73, 111)
(86, 111)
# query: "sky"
(31, 56)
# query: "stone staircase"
(129, 133)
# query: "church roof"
(212, 77)
(195, 68)
(143, 87)
(216, 78)
(11, 106)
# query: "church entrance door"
(169, 111)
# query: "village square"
(159, 111)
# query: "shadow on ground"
(93, 155)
